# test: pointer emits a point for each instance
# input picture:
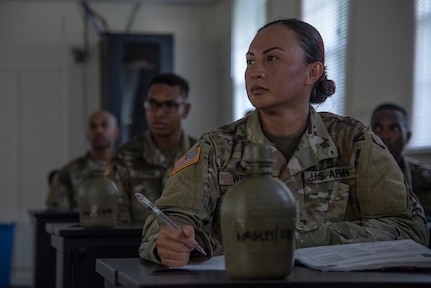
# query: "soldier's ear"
(315, 70)
(117, 133)
(186, 110)
(408, 136)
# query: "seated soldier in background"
(144, 162)
(102, 134)
(390, 123)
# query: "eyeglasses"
(168, 106)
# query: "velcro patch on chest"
(330, 174)
(190, 158)
(228, 178)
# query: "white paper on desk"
(365, 256)
(214, 263)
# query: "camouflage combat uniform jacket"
(63, 194)
(347, 185)
(139, 166)
(418, 176)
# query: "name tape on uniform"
(331, 174)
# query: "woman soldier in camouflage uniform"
(347, 185)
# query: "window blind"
(421, 115)
(330, 18)
(249, 16)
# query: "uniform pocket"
(326, 193)
(338, 202)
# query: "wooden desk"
(78, 248)
(44, 253)
(138, 273)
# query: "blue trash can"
(6, 248)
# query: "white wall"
(380, 55)
(46, 96)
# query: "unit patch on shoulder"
(190, 158)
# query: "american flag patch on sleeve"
(190, 158)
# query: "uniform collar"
(316, 144)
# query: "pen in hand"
(162, 216)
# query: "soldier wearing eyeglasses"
(144, 162)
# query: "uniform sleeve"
(421, 183)
(147, 250)
(118, 173)
(387, 203)
(188, 200)
(389, 210)
(60, 192)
